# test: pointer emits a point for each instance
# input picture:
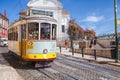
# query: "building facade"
(49, 11)
(3, 26)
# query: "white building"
(49, 11)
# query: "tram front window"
(45, 31)
(33, 31)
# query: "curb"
(90, 60)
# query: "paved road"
(64, 68)
(3, 49)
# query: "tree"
(90, 34)
(75, 30)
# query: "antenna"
(5, 12)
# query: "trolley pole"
(116, 31)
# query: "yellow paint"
(29, 44)
(40, 56)
(118, 22)
(18, 45)
(23, 47)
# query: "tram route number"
(30, 45)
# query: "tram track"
(51, 77)
(55, 74)
(24, 69)
(91, 65)
(27, 71)
(95, 69)
(64, 68)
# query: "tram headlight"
(45, 51)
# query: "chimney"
(5, 12)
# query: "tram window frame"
(45, 31)
(33, 31)
(13, 34)
(54, 26)
(23, 27)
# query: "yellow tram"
(33, 39)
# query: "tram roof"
(32, 19)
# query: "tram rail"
(91, 69)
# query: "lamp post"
(71, 36)
(116, 31)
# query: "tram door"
(23, 40)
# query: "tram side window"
(16, 34)
(45, 31)
(23, 27)
(13, 34)
(33, 31)
(54, 32)
(9, 34)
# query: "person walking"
(60, 48)
(66, 44)
(91, 42)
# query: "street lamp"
(71, 36)
(116, 30)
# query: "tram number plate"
(30, 47)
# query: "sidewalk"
(7, 72)
(88, 57)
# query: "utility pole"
(71, 36)
(116, 31)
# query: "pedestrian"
(95, 40)
(66, 44)
(91, 42)
(60, 47)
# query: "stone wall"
(82, 44)
(108, 53)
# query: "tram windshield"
(33, 31)
(46, 32)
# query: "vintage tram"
(34, 39)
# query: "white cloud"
(93, 18)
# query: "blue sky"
(89, 14)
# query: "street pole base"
(116, 61)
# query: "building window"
(63, 28)
(41, 12)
